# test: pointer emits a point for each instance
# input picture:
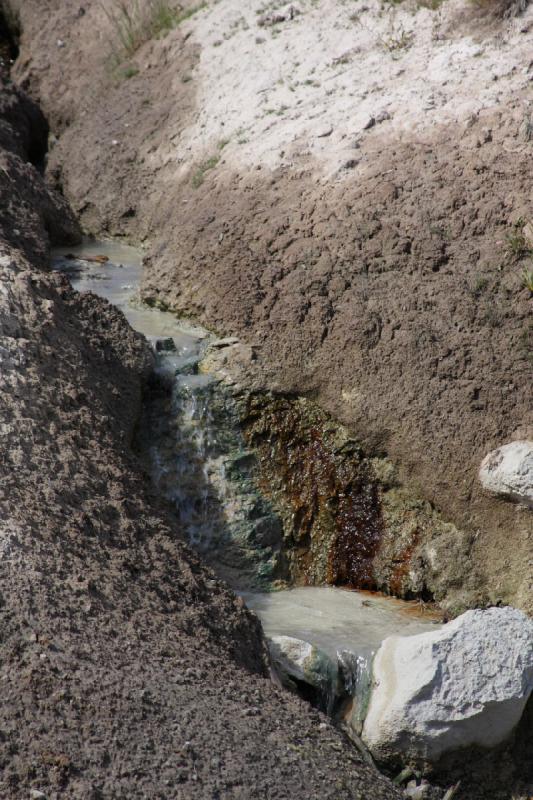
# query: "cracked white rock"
(466, 684)
(508, 471)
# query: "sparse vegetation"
(516, 244)
(527, 276)
(278, 112)
(480, 285)
(135, 22)
(128, 71)
(199, 175)
(397, 38)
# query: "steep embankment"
(345, 187)
(127, 669)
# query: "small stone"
(227, 342)
(36, 794)
(371, 121)
(414, 792)
(324, 132)
(382, 116)
(297, 659)
(165, 345)
(508, 471)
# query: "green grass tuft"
(199, 175)
(135, 22)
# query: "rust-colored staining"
(333, 525)
(358, 535)
(401, 567)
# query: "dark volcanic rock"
(32, 215)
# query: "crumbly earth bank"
(345, 188)
(127, 669)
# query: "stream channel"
(184, 450)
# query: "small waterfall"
(355, 673)
(199, 463)
(183, 446)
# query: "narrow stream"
(190, 447)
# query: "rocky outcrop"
(508, 471)
(47, 217)
(465, 685)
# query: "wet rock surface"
(335, 515)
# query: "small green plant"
(516, 244)
(199, 175)
(480, 285)
(397, 39)
(128, 72)
(278, 112)
(527, 277)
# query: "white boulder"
(464, 684)
(508, 471)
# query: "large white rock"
(509, 471)
(464, 684)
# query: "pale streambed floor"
(336, 619)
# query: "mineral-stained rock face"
(326, 490)
(509, 471)
(466, 684)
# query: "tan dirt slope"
(344, 186)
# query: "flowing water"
(192, 440)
